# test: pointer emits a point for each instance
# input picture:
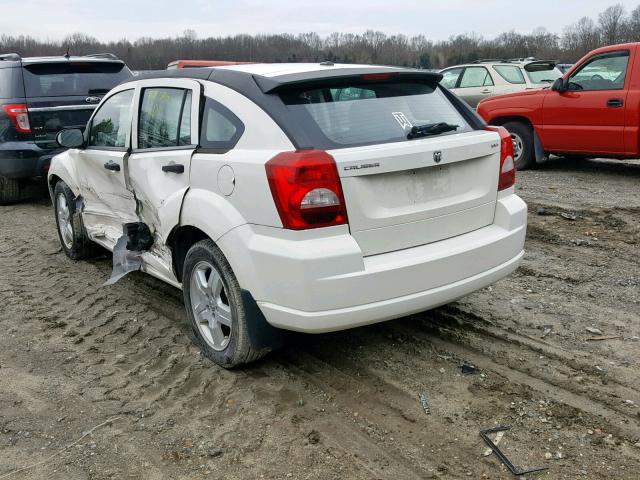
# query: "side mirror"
(559, 85)
(70, 138)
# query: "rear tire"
(73, 237)
(9, 190)
(213, 300)
(523, 147)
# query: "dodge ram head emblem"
(437, 156)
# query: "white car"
(473, 82)
(305, 197)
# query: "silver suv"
(481, 79)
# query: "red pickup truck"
(594, 110)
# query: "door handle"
(113, 166)
(615, 103)
(486, 91)
(173, 168)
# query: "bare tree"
(612, 24)
(369, 47)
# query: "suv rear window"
(77, 78)
(365, 113)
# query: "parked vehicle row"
(305, 197)
(482, 79)
(593, 110)
(39, 96)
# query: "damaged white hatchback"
(305, 197)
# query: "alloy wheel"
(210, 306)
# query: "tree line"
(613, 25)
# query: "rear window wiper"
(430, 129)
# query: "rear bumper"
(351, 317)
(319, 281)
(24, 160)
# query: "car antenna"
(66, 55)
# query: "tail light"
(18, 116)
(507, 164)
(306, 189)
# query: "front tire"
(213, 300)
(523, 147)
(73, 238)
(9, 190)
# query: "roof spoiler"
(344, 76)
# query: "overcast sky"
(436, 19)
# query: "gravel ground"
(556, 346)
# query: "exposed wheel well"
(52, 182)
(180, 241)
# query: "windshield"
(369, 112)
(542, 73)
(78, 78)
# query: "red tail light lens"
(306, 189)
(18, 116)
(507, 163)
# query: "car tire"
(216, 312)
(523, 147)
(73, 238)
(9, 190)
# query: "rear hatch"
(402, 192)
(63, 94)
(542, 72)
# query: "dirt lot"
(74, 354)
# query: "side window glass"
(161, 114)
(510, 73)
(476, 77)
(604, 72)
(450, 77)
(184, 138)
(112, 122)
(221, 129)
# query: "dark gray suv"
(39, 96)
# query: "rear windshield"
(368, 113)
(542, 72)
(66, 78)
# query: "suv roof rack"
(112, 56)
(10, 56)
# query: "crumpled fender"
(63, 167)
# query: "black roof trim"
(308, 79)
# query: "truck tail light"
(306, 189)
(507, 176)
(18, 116)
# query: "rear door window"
(165, 118)
(112, 122)
(450, 77)
(510, 73)
(377, 112)
(58, 79)
(475, 77)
